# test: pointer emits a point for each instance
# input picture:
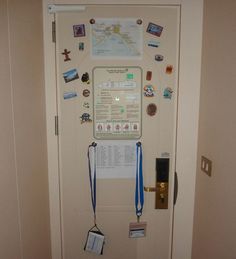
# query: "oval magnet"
(169, 69)
(92, 21)
(139, 21)
(159, 57)
(151, 109)
(86, 93)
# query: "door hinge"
(56, 126)
(176, 188)
(54, 31)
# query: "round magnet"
(151, 109)
(139, 21)
(86, 93)
(92, 21)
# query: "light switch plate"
(206, 165)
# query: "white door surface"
(117, 84)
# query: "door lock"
(162, 183)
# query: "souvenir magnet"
(79, 30)
(86, 105)
(70, 75)
(168, 93)
(81, 46)
(148, 91)
(149, 75)
(69, 95)
(159, 57)
(85, 78)
(169, 69)
(151, 109)
(85, 118)
(153, 43)
(86, 93)
(66, 53)
(154, 29)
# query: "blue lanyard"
(92, 176)
(139, 193)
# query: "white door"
(117, 75)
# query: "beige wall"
(24, 209)
(215, 208)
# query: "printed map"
(119, 38)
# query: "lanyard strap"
(139, 194)
(92, 175)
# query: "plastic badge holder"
(95, 242)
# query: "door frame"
(187, 123)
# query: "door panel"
(115, 197)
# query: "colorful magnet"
(81, 46)
(79, 30)
(151, 109)
(149, 75)
(70, 75)
(66, 53)
(85, 78)
(168, 93)
(169, 69)
(92, 21)
(159, 57)
(86, 105)
(148, 91)
(139, 21)
(85, 118)
(154, 29)
(86, 93)
(153, 43)
(69, 95)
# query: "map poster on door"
(117, 102)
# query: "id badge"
(137, 229)
(95, 242)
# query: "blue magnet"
(168, 93)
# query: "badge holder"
(95, 238)
(138, 229)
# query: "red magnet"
(169, 69)
(149, 75)
(151, 109)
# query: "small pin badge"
(85, 78)
(66, 53)
(169, 69)
(154, 29)
(151, 109)
(149, 75)
(86, 93)
(168, 93)
(85, 117)
(159, 57)
(79, 30)
(148, 91)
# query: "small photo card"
(154, 29)
(79, 30)
(70, 75)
